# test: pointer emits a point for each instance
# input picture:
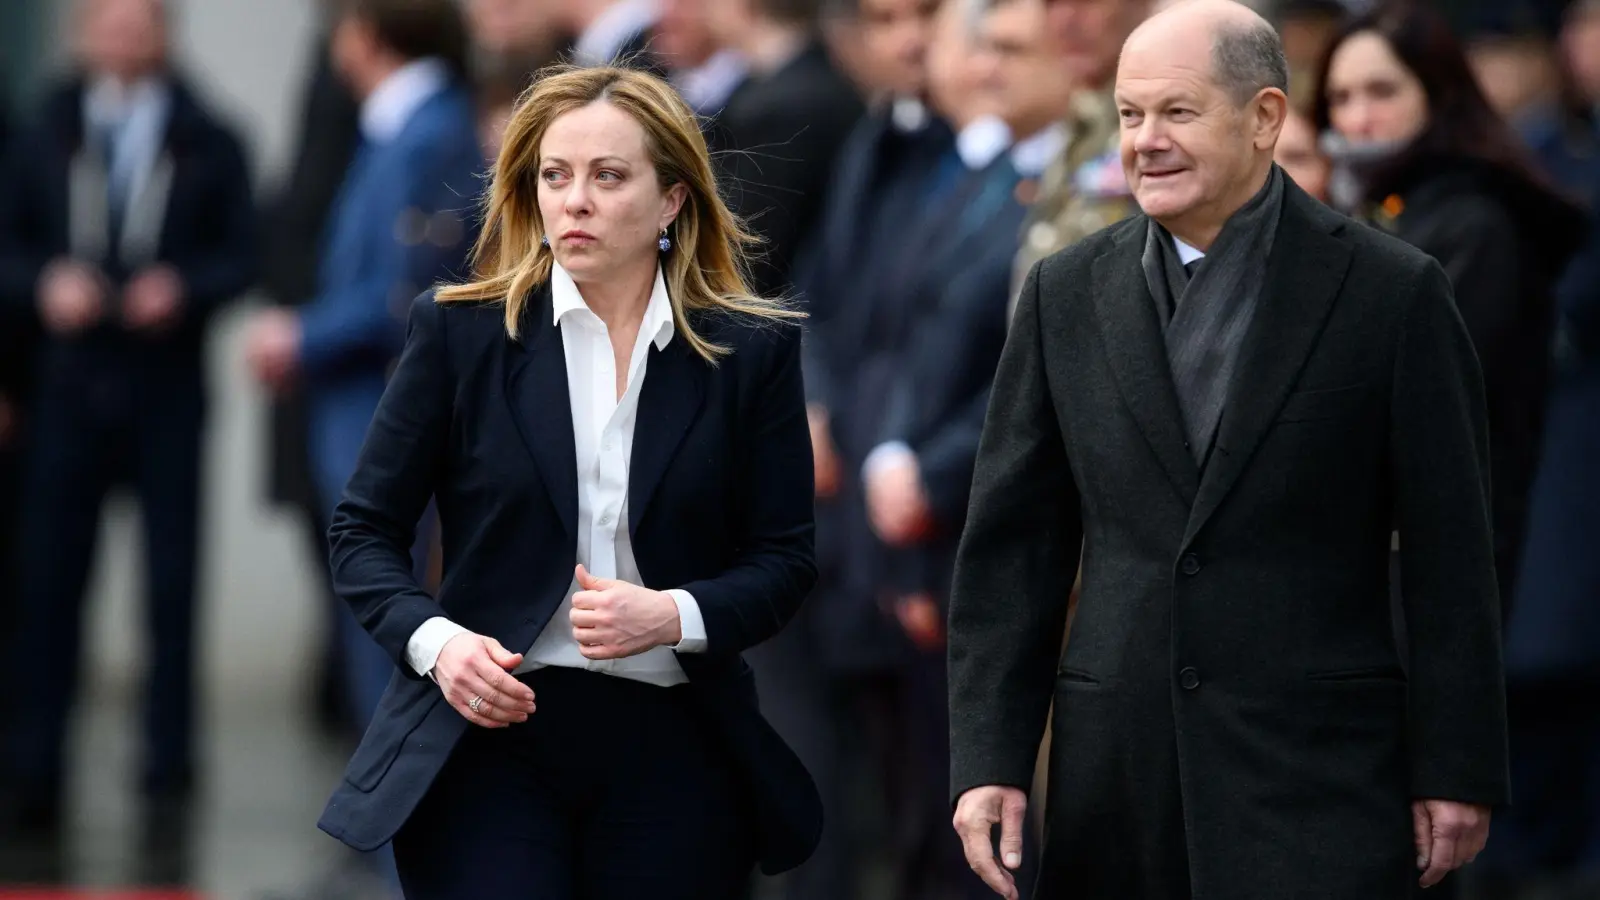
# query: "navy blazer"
(720, 504)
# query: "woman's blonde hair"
(705, 269)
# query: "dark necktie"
(1191, 265)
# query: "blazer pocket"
(376, 753)
(1316, 406)
(1362, 675)
(1076, 678)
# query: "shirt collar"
(390, 107)
(1033, 154)
(708, 86)
(108, 100)
(658, 324)
(1186, 253)
(610, 31)
(982, 141)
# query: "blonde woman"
(615, 433)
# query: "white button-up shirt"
(602, 431)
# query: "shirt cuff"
(886, 454)
(427, 642)
(692, 627)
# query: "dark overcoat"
(1232, 719)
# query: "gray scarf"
(1205, 318)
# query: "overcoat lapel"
(1132, 334)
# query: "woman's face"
(1372, 96)
(602, 204)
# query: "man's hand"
(153, 300)
(977, 812)
(826, 459)
(472, 665)
(897, 503)
(920, 619)
(613, 619)
(272, 348)
(72, 297)
(1449, 835)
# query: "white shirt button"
(605, 519)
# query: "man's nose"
(1150, 137)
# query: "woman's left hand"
(613, 619)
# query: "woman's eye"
(608, 175)
(550, 174)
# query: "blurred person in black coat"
(293, 251)
(856, 351)
(784, 125)
(126, 224)
(916, 479)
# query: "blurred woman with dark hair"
(1418, 151)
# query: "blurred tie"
(1190, 266)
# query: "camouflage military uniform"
(1083, 191)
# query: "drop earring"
(665, 243)
(545, 240)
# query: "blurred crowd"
(904, 162)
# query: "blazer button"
(1190, 564)
(1189, 679)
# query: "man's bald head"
(1246, 52)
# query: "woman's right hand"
(471, 665)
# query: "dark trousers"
(612, 790)
(92, 432)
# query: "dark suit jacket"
(719, 505)
(208, 233)
(941, 394)
(1231, 712)
(781, 133)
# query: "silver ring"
(474, 703)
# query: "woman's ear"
(675, 197)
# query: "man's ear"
(1268, 111)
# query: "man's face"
(1580, 48)
(1027, 76)
(1187, 149)
(510, 26)
(1089, 34)
(957, 76)
(684, 35)
(122, 38)
(895, 35)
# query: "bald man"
(1229, 402)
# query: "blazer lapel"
(1138, 356)
(669, 400)
(1307, 267)
(536, 388)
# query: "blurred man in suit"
(126, 223)
(403, 220)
